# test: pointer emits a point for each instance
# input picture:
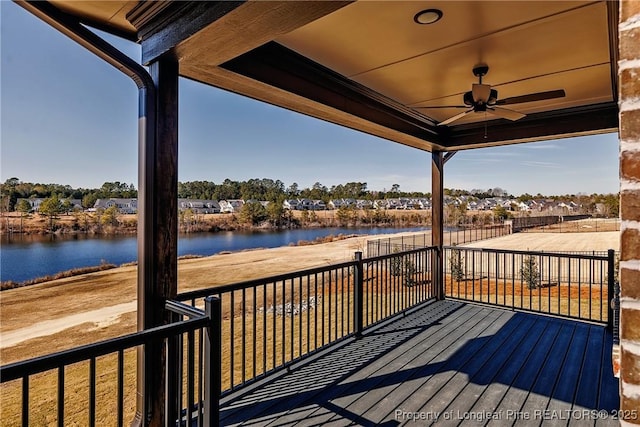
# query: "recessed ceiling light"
(428, 16)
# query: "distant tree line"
(13, 189)
(264, 189)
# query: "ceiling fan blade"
(454, 118)
(506, 113)
(442, 106)
(539, 96)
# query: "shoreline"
(10, 284)
(86, 223)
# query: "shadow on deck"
(448, 363)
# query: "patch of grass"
(10, 284)
(326, 239)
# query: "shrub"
(530, 272)
(456, 265)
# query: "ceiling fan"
(481, 98)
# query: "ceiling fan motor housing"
(480, 70)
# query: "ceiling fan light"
(427, 16)
(481, 93)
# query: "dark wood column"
(157, 233)
(437, 222)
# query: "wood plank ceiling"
(369, 66)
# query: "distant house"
(335, 204)
(291, 204)
(199, 206)
(380, 204)
(231, 206)
(124, 206)
(305, 204)
(76, 204)
(34, 202)
(364, 204)
(319, 205)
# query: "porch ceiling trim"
(215, 32)
(569, 122)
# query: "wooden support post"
(437, 223)
(157, 232)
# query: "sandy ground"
(106, 300)
(100, 300)
(563, 242)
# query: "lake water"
(27, 257)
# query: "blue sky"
(69, 118)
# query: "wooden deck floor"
(447, 363)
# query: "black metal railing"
(451, 236)
(396, 282)
(271, 323)
(574, 285)
(224, 338)
(95, 384)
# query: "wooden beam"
(282, 68)
(164, 25)
(613, 14)
(215, 32)
(437, 223)
(448, 156)
(570, 122)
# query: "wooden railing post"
(212, 362)
(358, 305)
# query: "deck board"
(447, 360)
(388, 389)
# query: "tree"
(8, 194)
(253, 213)
(51, 207)
(612, 205)
(456, 214)
(24, 207)
(293, 191)
(530, 272)
(501, 213)
(67, 206)
(89, 200)
(395, 189)
(275, 212)
(344, 215)
(110, 216)
(186, 217)
(456, 264)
